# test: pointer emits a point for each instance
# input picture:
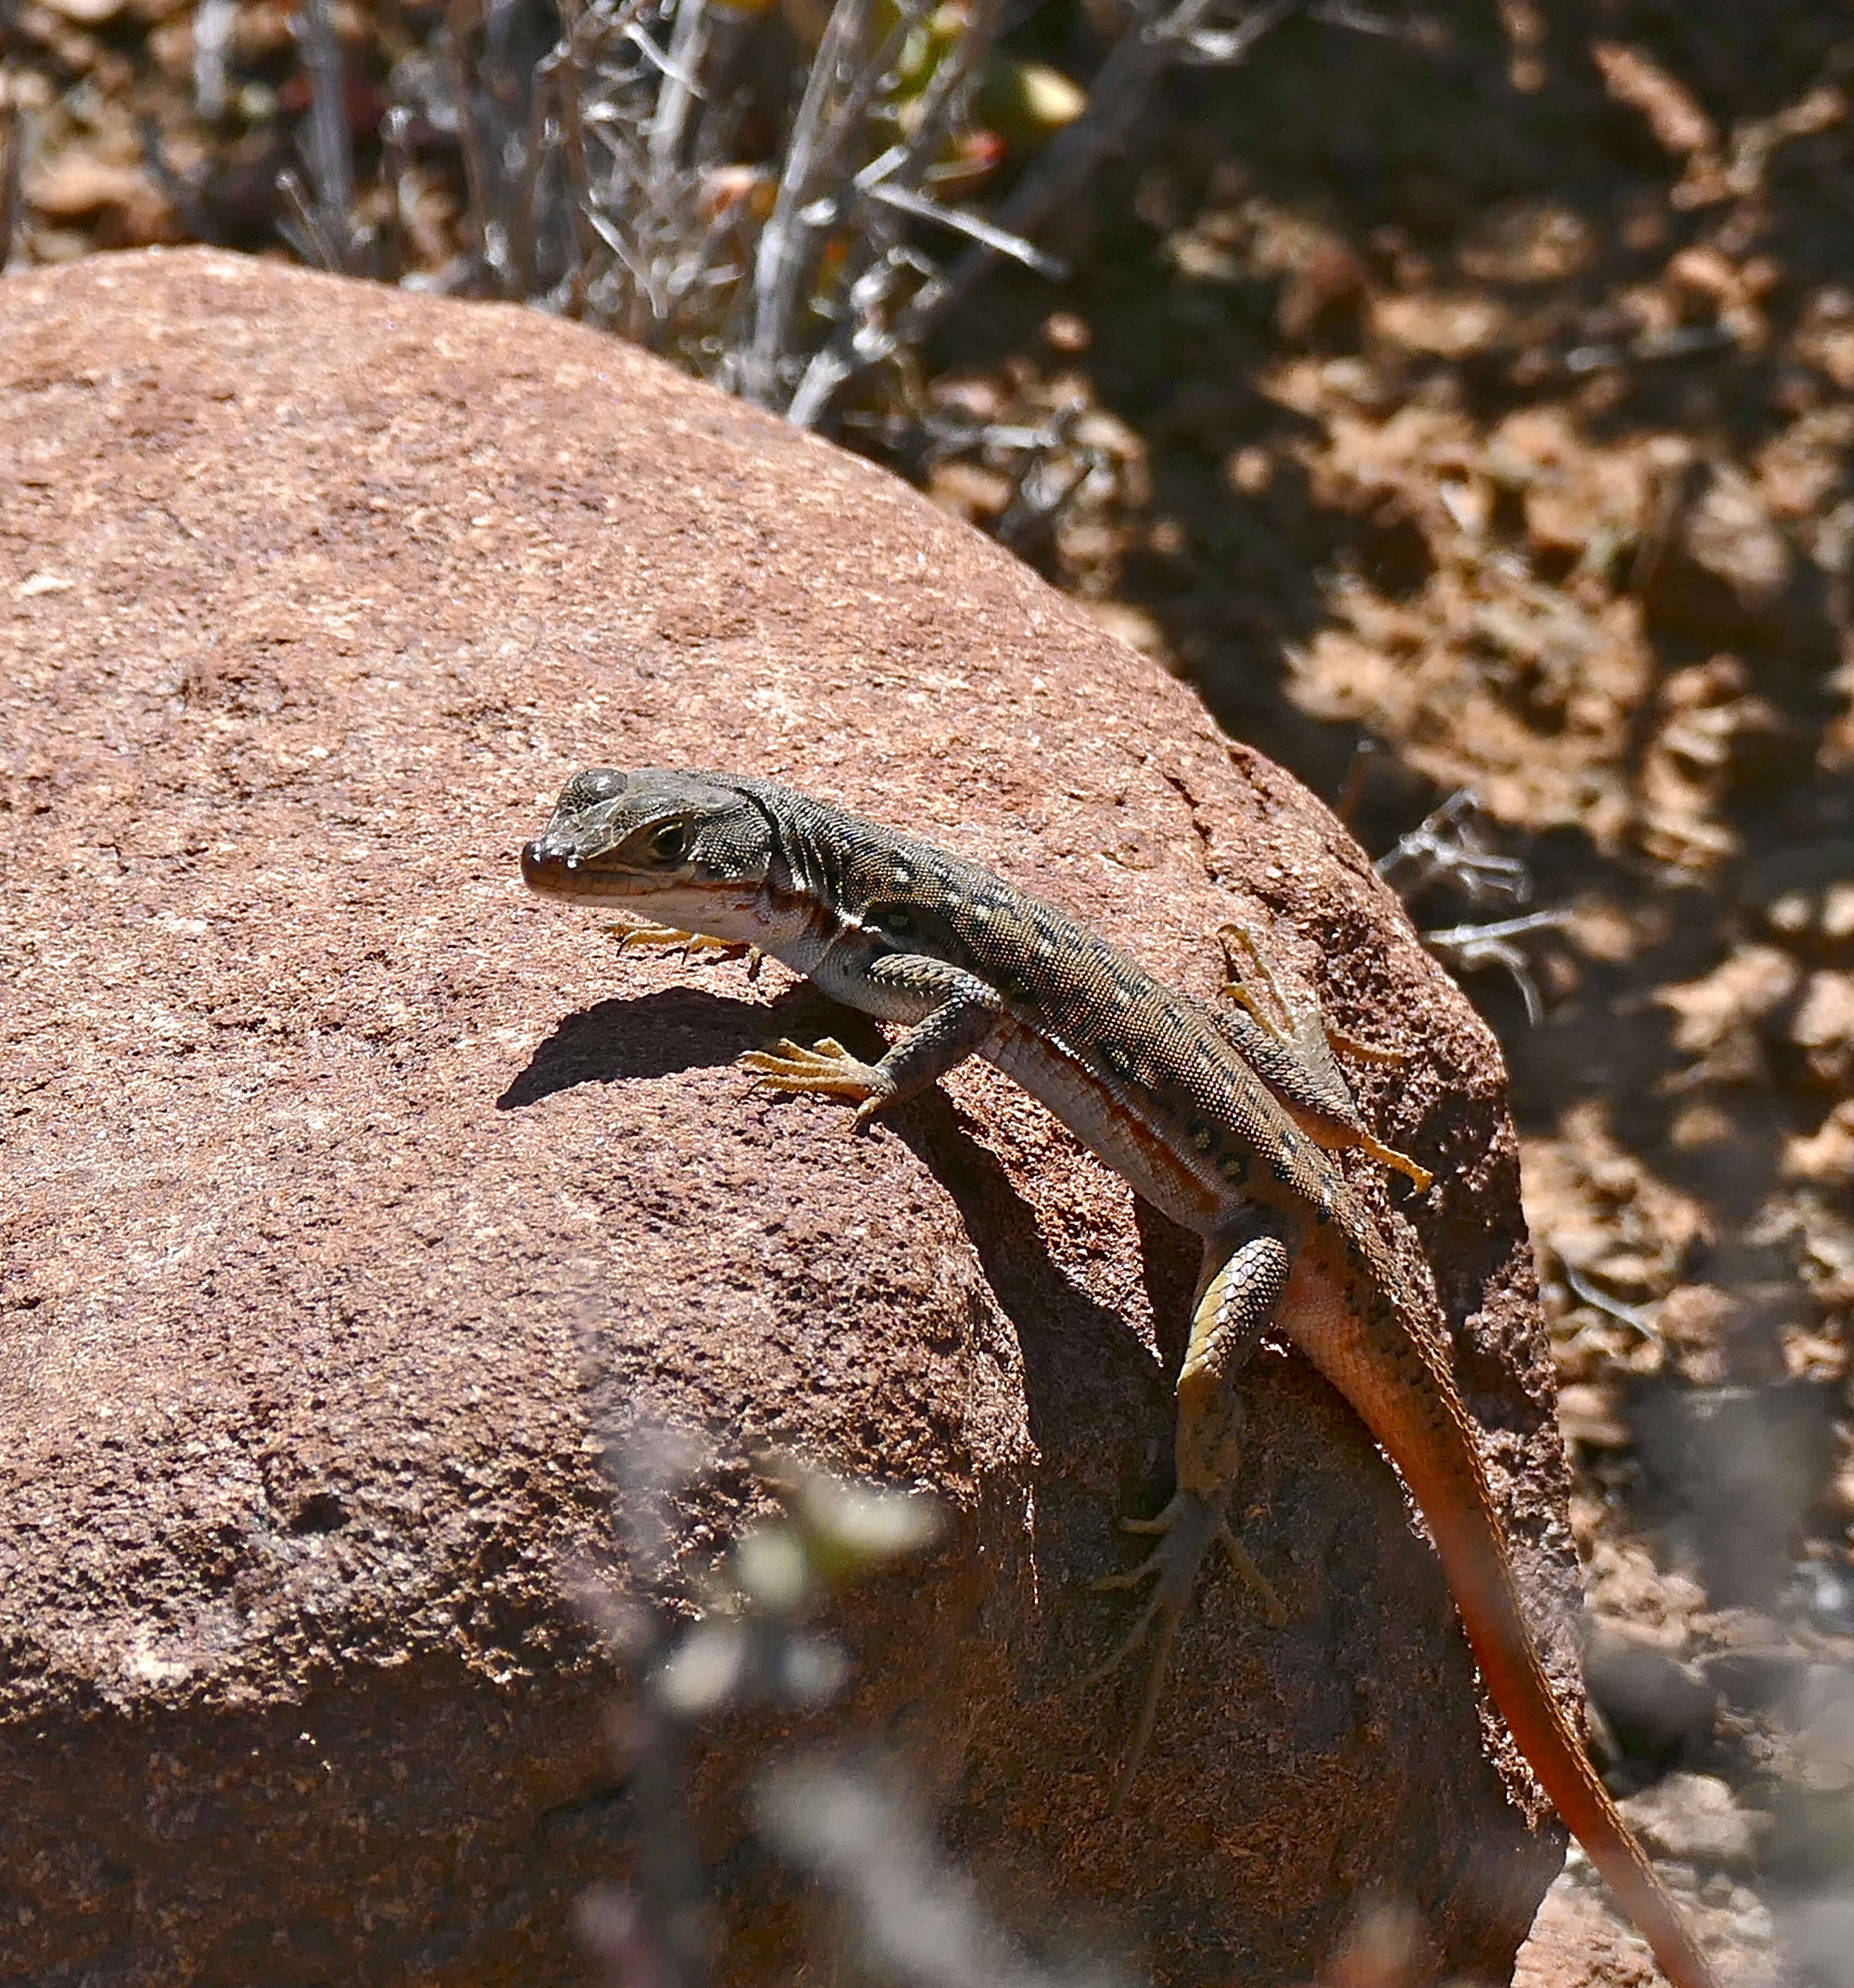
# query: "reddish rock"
(356, 1200)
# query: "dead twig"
(213, 22)
(1451, 846)
(781, 259)
(971, 225)
(329, 151)
(477, 229)
(1632, 1316)
(12, 171)
(1466, 949)
(301, 226)
(179, 195)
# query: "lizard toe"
(1186, 1529)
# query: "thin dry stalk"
(477, 233)
(174, 190)
(779, 264)
(524, 224)
(302, 226)
(331, 158)
(13, 170)
(688, 46)
(1451, 846)
(213, 22)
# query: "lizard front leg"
(1238, 1290)
(963, 1011)
(633, 931)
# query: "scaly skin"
(1223, 1122)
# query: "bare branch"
(469, 138)
(780, 260)
(1013, 245)
(12, 171)
(570, 81)
(688, 43)
(331, 157)
(1451, 844)
(178, 194)
(213, 22)
(303, 227)
(1467, 947)
(1632, 1316)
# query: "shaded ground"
(1478, 393)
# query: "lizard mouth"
(558, 872)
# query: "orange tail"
(1405, 1395)
(1509, 1661)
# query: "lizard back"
(1142, 1073)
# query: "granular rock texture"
(356, 1203)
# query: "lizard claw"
(828, 1070)
(1419, 1175)
(1186, 1529)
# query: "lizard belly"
(1150, 1160)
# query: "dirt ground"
(1465, 400)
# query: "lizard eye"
(670, 842)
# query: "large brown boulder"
(354, 1200)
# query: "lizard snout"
(546, 870)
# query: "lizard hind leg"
(1242, 1283)
(1288, 1017)
(1288, 1041)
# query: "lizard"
(1225, 1128)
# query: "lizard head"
(692, 849)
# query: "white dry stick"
(213, 20)
(780, 259)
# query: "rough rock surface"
(354, 1200)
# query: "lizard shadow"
(651, 1035)
(1084, 1368)
(1098, 1404)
